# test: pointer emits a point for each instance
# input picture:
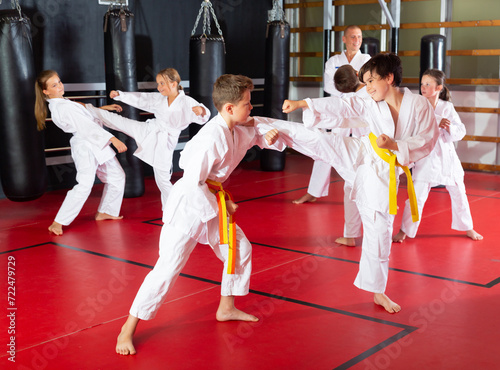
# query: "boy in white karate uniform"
(192, 213)
(405, 125)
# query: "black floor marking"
(406, 329)
(279, 193)
(487, 285)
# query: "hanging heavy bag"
(207, 61)
(119, 46)
(432, 53)
(370, 45)
(23, 171)
(277, 78)
(206, 64)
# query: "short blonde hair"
(230, 89)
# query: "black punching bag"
(277, 77)
(207, 62)
(370, 45)
(22, 158)
(119, 46)
(432, 53)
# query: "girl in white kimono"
(90, 150)
(405, 126)
(157, 138)
(442, 166)
(192, 212)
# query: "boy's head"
(383, 65)
(230, 89)
(346, 79)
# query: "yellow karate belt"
(390, 158)
(227, 232)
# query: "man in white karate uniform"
(319, 182)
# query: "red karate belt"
(227, 231)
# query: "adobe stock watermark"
(87, 311)
(421, 318)
(292, 279)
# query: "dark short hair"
(346, 80)
(230, 89)
(384, 65)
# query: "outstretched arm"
(291, 105)
(112, 107)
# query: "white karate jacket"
(74, 118)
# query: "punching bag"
(432, 53)
(119, 55)
(370, 45)
(22, 158)
(207, 60)
(277, 78)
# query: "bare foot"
(124, 344)
(350, 242)
(234, 314)
(382, 300)
(399, 237)
(56, 228)
(104, 216)
(474, 235)
(306, 198)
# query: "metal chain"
(197, 20)
(206, 16)
(216, 22)
(278, 12)
(206, 9)
(15, 5)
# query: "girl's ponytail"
(40, 104)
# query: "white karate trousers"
(461, 218)
(162, 179)
(377, 240)
(110, 173)
(319, 181)
(352, 219)
(175, 249)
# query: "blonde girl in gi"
(157, 138)
(442, 166)
(90, 150)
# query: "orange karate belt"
(389, 157)
(227, 231)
